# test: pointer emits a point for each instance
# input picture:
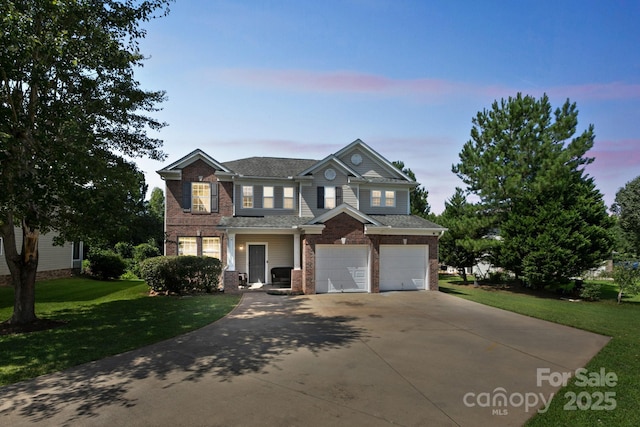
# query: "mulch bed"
(7, 328)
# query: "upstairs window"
(267, 197)
(329, 197)
(200, 197)
(381, 198)
(390, 199)
(287, 202)
(247, 196)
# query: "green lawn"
(102, 319)
(621, 355)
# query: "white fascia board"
(390, 231)
(170, 175)
(259, 230)
(331, 159)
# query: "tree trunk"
(619, 297)
(463, 272)
(23, 267)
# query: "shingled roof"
(275, 167)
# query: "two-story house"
(342, 224)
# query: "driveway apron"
(399, 358)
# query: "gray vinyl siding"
(50, 257)
(368, 168)
(310, 193)
(401, 208)
(258, 193)
(279, 248)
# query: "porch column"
(296, 251)
(231, 251)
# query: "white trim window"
(247, 196)
(211, 247)
(200, 197)
(381, 198)
(390, 199)
(287, 195)
(187, 246)
(1, 246)
(267, 197)
(329, 197)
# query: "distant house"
(340, 224)
(53, 262)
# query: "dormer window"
(380, 198)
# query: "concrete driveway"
(411, 359)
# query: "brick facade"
(186, 224)
(345, 226)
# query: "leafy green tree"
(467, 239)
(156, 203)
(71, 115)
(627, 210)
(626, 275)
(418, 197)
(527, 166)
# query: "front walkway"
(413, 358)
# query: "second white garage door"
(342, 268)
(403, 267)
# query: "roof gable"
(391, 172)
(174, 170)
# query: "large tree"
(418, 197)
(469, 236)
(72, 115)
(527, 166)
(627, 210)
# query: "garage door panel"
(403, 267)
(342, 268)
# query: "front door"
(257, 263)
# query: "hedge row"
(182, 274)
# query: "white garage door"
(403, 267)
(342, 268)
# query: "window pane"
(267, 197)
(390, 198)
(211, 247)
(288, 198)
(376, 198)
(329, 197)
(187, 246)
(200, 197)
(247, 196)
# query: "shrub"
(181, 274)
(124, 249)
(591, 291)
(140, 253)
(105, 264)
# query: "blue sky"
(305, 78)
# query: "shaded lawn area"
(621, 356)
(99, 319)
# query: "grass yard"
(621, 356)
(100, 319)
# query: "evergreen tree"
(527, 167)
(627, 210)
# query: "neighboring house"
(341, 224)
(53, 261)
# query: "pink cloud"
(429, 88)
